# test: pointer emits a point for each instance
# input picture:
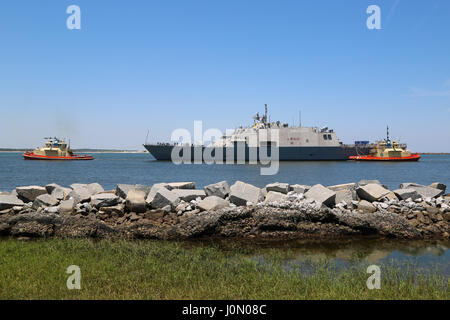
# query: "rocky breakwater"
(179, 211)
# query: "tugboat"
(388, 150)
(54, 149)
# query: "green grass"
(172, 270)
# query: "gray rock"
(189, 194)
(299, 188)
(366, 206)
(181, 185)
(95, 188)
(135, 201)
(406, 185)
(263, 192)
(372, 192)
(159, 197)
(54, 209)
(345, 186)
(427, 192)
(278, 187)
(78, 185)
(30, 193)
(67, 206)
(104, 200)
(241, 193)
(346, 196)
(9, 201)
(44, 200)
(220, 189)
(57, 191)
(123, 189)
(273, 196)
(141, 187)
(404, 194)
(212, 203)
(438, 185)
(51, 186)
(80, 193)
(321, 194)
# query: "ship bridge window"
(325, 137)
(329, 137)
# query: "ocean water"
(109, 169)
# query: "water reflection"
(422, 256)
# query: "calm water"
(110, 169)
(420, 256)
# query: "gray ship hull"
(164, 153)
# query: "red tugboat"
(54, 149)
(388, 150)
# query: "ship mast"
(265, 113)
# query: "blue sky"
(159, 65)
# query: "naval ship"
(292, 143)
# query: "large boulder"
(278, 187)
(181, 185)
(404, 194)
(60, 193)
(241, 193)
(135, 201)
(95, 188)
(9, 201)
(104, 200)
(220, 189)
(344, 192)
(30, 193)
(78, 185)
(273, 196)
(345, 186)
(372, 192)
(80, 193)
(299, 188)
(141, 187)
(346, 196)
(424, 191)
(123, 189)
(159, 197)
(189, 194)
(321, 194)
(428, 192)
(406, 185)
(51, 186)
(44, 200)
(67, 206)
(366, 206)
(438, 185)
(212, 203)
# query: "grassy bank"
(169, 270)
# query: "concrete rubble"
(177, 210)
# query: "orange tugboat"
(54, 149)
(387, 150)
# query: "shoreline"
(179, 211)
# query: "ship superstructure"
(292, 143)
